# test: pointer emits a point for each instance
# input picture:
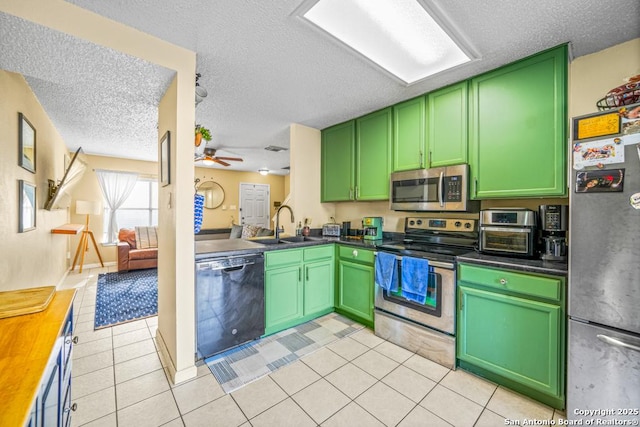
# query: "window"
(140, 208)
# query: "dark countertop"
(228, 247)
(520, 264)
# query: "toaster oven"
(508, 231)
(331, 230)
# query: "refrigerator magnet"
(600, 181)
(634, 200)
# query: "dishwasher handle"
(231, 263)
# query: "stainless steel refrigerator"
(604, 275)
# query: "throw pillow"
(146, 237)
(236, 232)
(249, 230)
(264, 232)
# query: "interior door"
(254, 204)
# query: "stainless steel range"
(426, 327)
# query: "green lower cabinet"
(296, 291)
(318, 287)
(513, 340)
(283, 298)
(355, 291)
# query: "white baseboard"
(175, 376)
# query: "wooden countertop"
(26, 343)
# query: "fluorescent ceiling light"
(398, 35)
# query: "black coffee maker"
(553, 232)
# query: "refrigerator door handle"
(617, 342)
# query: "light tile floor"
(360, 380)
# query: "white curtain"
(116, 187)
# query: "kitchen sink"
(297, 239)
(269, 241)
(286, 240)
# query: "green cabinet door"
(517, 129)
(409, 134)
(337, 163)
(516, 338)
(283, 298)
(318, 287)
(373, 155)
(447, 138)
(356, 290)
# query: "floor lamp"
(86, 208)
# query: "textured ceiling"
(264, 68)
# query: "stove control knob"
(458, 224)
(419, 222)
(412, 222)
(467, 225)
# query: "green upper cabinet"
(356, 159)
(373, 155)
(517, 129)
(409, 120)
(337, 162)
(447, 138)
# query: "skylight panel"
(398, 35)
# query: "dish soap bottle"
(299, 229)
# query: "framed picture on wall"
(165, 159)
(26, 206)
(26, 144)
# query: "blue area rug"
(124, 297)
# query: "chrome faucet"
(278, 219)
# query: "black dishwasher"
(229, 302)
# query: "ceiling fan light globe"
(208, 162)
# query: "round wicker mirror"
(213, 194)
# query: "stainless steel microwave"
(435, 189)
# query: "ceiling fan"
(209, 157)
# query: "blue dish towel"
(198, 205)
(386, 271)
(415, 278)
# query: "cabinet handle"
(503, 281)
(75, 340)
(350, 193)
(429, 159)
(73, 408)
(354, 253)
(307, 273)
(420, 158)
(299, 274)
(357, 192)
(617, 342)
(475, 186)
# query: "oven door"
(438, 312)
(507, 240)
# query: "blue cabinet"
(52, 407)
